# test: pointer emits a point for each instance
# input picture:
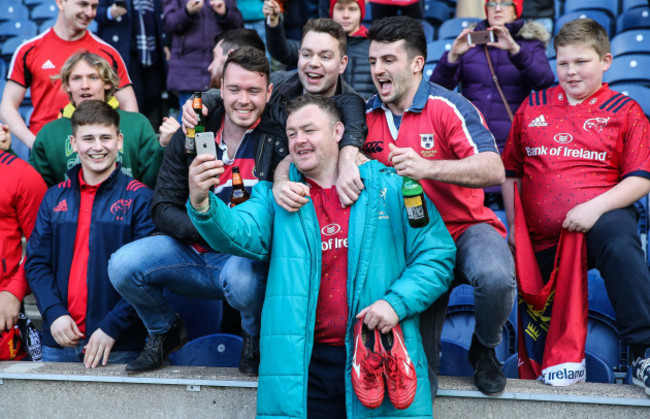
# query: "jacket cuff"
(111, 326)
(398, 305)
(55, 312)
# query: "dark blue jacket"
(121, 32)
(121, 213)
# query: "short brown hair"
(328, 26)
(106, 72)
(586, 32)
(249, 58)
(325, 104)
(95, 112)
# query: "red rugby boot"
(367, 366)
(401, 380)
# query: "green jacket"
(140, 156)
(409, 268)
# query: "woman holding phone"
(194, 26)
(517, 57)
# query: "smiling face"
(85, 83)
(580, 70)
(313, 141)
(77, 14)
(97, 147)
(320, 63)
(348, 15)
(245, 94)
(395, 75)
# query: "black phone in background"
(120, 3)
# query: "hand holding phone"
(481, 37)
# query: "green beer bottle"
(416, 209)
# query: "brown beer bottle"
(239, 193)
(197, 105)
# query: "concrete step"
(59, 390)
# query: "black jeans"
(326, 389)
(614, 248)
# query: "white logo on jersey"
(540, 121)
(47, 65)
(330, 229)
(560, 97)
(592, 101)
(563, 138)
(595, 124)
(426, 141)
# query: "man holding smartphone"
(180, 260)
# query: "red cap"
(519, 6)
(361, 3)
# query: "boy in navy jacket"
(80, 223)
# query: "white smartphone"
(205, 143)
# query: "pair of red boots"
(378, 358)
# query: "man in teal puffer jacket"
(328, 267)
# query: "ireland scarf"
(551, 347)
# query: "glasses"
(494, 4)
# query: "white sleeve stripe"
(468, 136)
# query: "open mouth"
(314, 77)
(98, 157)
(244, 112)
(385, 85)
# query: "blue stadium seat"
(631, 42)
(25, 111)
(601, 17)
(608, 6)
(602, 341)
(13, 11)
(597, 296)
(633, 4)
(9, 47)
(642, 95)
(451, 28)
(216, 350)
(429, 31)
(597, 370)
(638, 18)
(501, 214)
(201, 317)
(3, 71)
(436, 12)
(367, 19)
(459, 328)
(559, 8)
(453, 359)
(435, 49)
(45, 25)
(550, 51)
(44, 11)
(428, 70)
(511, 367)
(553, 64)
(632, 68)
(23, 29)
(33, 3)
(92, 27)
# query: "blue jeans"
(76, 354)
(141, 269)
(484, 261)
